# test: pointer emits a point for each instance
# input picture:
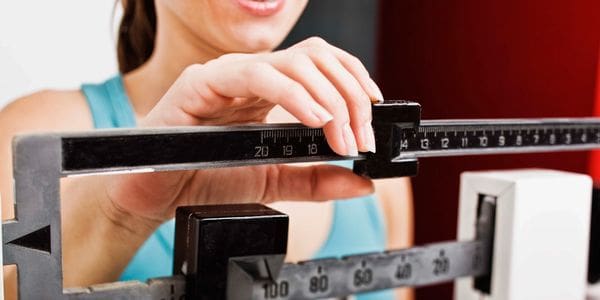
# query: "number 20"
(261, 151)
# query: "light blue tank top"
(110, 108)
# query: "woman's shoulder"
(47, 110)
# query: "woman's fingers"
(268, 83)
(302, 69)
(352, 81)
(355, 66)
(262, 80)
(315, 183)
(357, 101)
(269, 183)
(350, 62)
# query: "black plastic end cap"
(207, 237)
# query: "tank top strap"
(109, 104)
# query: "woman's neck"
(173, 52)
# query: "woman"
(210, 62)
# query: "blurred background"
(54, 44)
(459, 59)
(486, 59)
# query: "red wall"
(483, 59)
(595, 155)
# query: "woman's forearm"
(98, 238)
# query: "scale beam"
(338, 278)
(401, 138)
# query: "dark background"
(349, 24)
(470, 59)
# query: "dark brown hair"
(137, 33)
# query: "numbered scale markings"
(355, 274)
(198, 147)
(468, 137)
(287, 143)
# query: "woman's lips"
(261, 8)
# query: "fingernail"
(350, 141)
(375, 89)
(367, 137)
(323, 115)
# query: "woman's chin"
(253, 42)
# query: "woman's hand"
(321, 85)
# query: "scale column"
(541, 238)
